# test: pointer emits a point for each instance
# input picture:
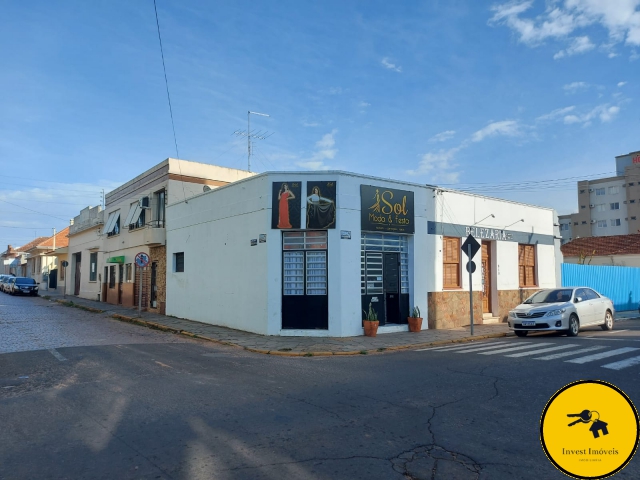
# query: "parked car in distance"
(562, 309)
(24, 286)
(6, 283)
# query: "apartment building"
(607, 206)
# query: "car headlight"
(553, 313)
(512, 314)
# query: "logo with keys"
(586, 416)
(579, 442)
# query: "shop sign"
(285, 205)
(636, 159)
(345, 234)
(488, 233)
(262, 238)
(386, 209)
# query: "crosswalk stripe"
(616, 331)
(488, 347)
(513, 349)
(544, 350)
(629, 362)
(568, 354)
(598, 356)
(455, 346)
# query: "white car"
(562, 309)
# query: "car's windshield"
(25, 281)
(550, 296)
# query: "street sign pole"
(140, 293)
(64, 289)
(470, 289)
(142, 260)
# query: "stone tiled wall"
(508, 299)
(450, 309)
(159, 254)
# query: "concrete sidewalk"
(287, 346)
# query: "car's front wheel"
(521, 333)
(608, 321)
(574, 326)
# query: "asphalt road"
(135, 403)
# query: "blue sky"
(488, 96)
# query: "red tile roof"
(31, 244)
(612, 245)
(61, 239)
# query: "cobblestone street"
(29, 323)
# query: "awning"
(116, 259)
(111, 221)
(134, 214)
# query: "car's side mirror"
(578, 299)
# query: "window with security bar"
(371, 266)
(304, 263)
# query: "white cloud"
(612, 55)
(391, 66)
(634, 56)
(622, 84)
(364, 105)
(562, 20)
(575, 87)
(555, 114)
(324, 151)
(439, 165)
(509, 128)
(335, 91)
(605, 112)
(579, 45)
(443, 136)
(310, 124)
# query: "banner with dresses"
(321, 205)
(285, 205)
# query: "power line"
(35, 211)
(26, 228)
(166, 83)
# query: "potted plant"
(415, 320)
(370, 322)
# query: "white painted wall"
(465, 209)
(84, 242)
(225, 281)
(214, 230)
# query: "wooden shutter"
(451, 262)
(527, 265)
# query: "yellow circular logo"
(589, 429)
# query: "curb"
(164, 328)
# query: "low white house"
(304, 253)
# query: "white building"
(307, 258)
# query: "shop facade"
(304, 253)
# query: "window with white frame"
(615, 222)
(601, 207)
(615, 206)
(304, 263)
(602, 223)
(600, 191)
(614, 190)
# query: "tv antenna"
(255, 135)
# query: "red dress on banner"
(283, 211)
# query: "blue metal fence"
(620, 284)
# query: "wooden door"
(486, 277)
(76, 290)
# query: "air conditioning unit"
(143, 202)
(592, 206)
(593, 221)
(591, 190)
